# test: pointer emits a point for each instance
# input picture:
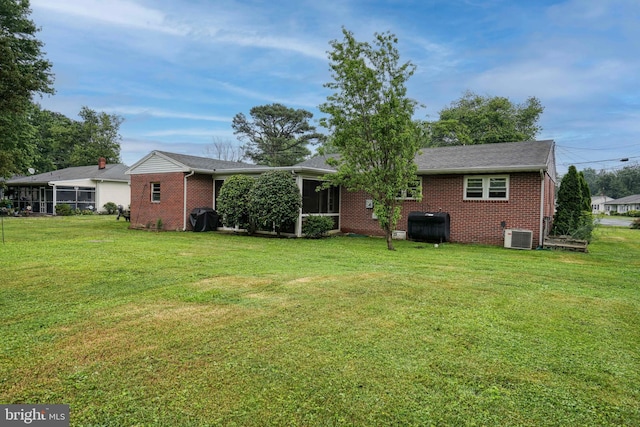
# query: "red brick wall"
(472, 221)
(199, 193)
(145, 214)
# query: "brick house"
(168, 186)
(486, 189)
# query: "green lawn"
(144, 328)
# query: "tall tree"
(276, 135)
(98, 136)
(573, 213)
(23, 73)
(370, 117)
(55, 136)
(475, 119)
(586, 192)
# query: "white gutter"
(481, 169)
(268, 168)
(184, 216)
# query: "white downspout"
(55, 198)
(299, 182)
(541, 230)
(184, 216)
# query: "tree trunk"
(389, 235)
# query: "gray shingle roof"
(509, 156)
(205, 163)
(114, 172)
(629, 200)
(488, 158)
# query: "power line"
(618, 159)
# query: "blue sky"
(178, 70)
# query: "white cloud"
(550, 81)
(156, 112)
(115, 12)
(198, 132)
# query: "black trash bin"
(204, 219)
(428, 226)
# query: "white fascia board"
(478, 170)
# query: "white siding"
(157, 164)
(116, 192)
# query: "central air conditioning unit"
(518, 239)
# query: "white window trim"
(416, 189)
(158, 192)
(485, 187)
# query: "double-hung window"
(486, 187)
(155, 192)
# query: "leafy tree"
(475, 119)
(55, 136)
(97, 136)
(591, 176)
(615, 184)
(370, 118)
(276, 135)
(233, 203)
(586, 192)
(571, 217)
(275, 200)
(59, 142)
(23, 73)
(445, 132)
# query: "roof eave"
(268, 168)
(483, 169)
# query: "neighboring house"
(81, 187)
(624, 205)
(485, 189)
(598, 204)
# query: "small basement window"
(490, 187)
(155, 192)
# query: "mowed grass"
(143, 328)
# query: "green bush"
(634, 214)
(233, 202)
(110, 207)
(64, 210)
(584, 228)
(315, 226)
(636, 224)
(87, 212)
(275, 200)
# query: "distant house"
(485, 189)
(81, 187)
(598, 205)
(624, 205)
